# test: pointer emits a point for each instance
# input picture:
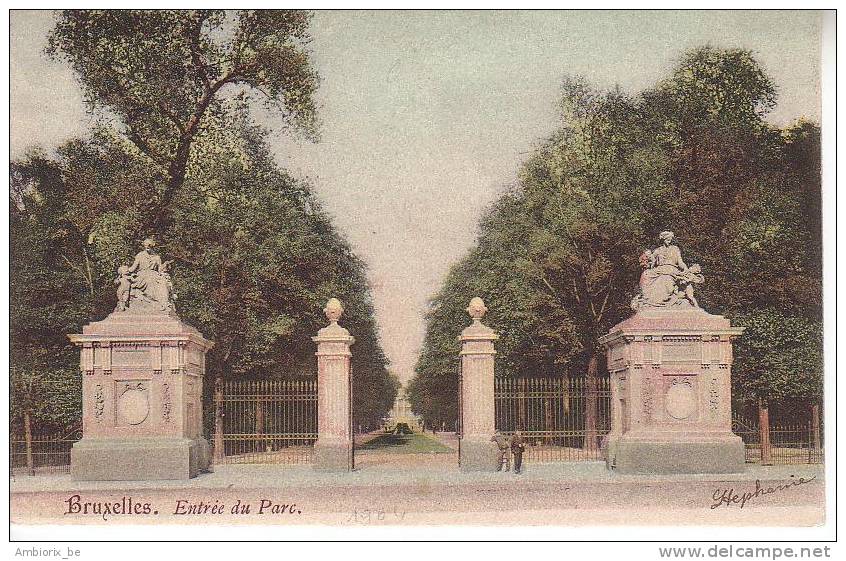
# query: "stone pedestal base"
(333, 450)
(478, 455)
(684, 456)
(142, 406)
(136, 459)
(336, 457)
(670, 375)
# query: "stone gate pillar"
(142, 385)
(478, 453)
(333, 450)
(670, 369)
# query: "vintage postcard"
(380, 272)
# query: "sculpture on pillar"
(143, 383)
(670, 369)
(666, 281)
(145, 285)
(333, 310)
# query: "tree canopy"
(556, 257)
(255, 256)
(160, 73)
(255, 261)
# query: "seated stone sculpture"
(666, 281)
(145, 286)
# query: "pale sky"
(427, 116)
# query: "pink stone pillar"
(142, 399)
(478, 452)
(333, 450)
(670, 375)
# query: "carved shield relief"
(133, 402)
(680, 399)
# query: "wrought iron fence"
(780, 442)
(564, 419)
(794, 444)
(749, 432)
(43, 453)
(561, 418)
(265, 421)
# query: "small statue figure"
(666, 280)
(124, 282)
(165, 287)
(150, 288)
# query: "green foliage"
(556, 260)
(711, 85)
(177, 156)
(162, 73)
(255, 260)
(49, 296)
(778, 358)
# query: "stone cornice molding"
(140, 340)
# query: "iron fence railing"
(265, 421)
(564, 419)
(780, 442)
(43, 453)
(561, 418)
(751, 436)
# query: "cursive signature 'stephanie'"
(728, 496)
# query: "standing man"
(517, 448)
(504, 456)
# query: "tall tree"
(177, 155)
(159, 73)
(693, 154)
(255, 258)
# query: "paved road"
(508, 500)
(403, 444)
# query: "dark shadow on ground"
(405, 444)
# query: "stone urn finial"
(333, 310)
(477, 309)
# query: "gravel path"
(413, 490)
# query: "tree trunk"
(591, 434)
(88, 276)
(219, 451)
(179, 164)
(521, 404)
(30, 465)
(764, 428)
(815, 428)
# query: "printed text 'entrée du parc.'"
(76, 505)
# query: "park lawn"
(405, 444)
